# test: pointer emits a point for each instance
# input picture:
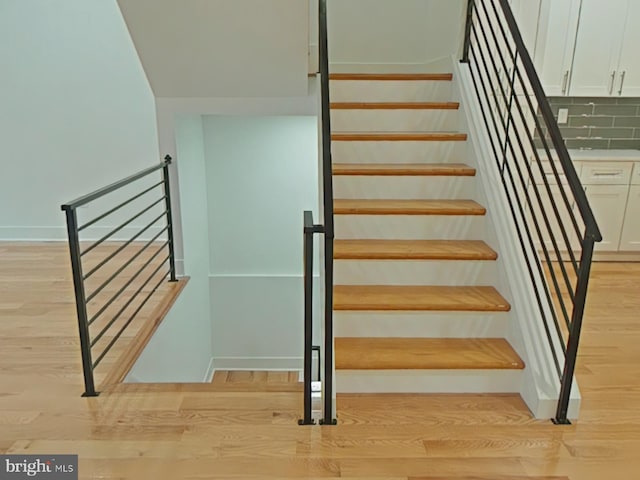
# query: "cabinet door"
(598, 45)
(630, 240)
(555, 44)
(608, 203)
(527, 13)
(628, 79)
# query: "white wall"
(261, 174)
(76, 110)
(398, 35)
(221, 48)
(180, 350)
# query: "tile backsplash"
(600, 123)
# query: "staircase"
(416, 308)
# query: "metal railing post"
(467, 32)
(308, 315)
(167, 193)
(574, 332)
(81, 305)
(327, 173)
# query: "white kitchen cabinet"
(527, 14)
(630, 239)
(598, 46)
(608, 203)
(556, 43)
(589, 47)
(628, 72)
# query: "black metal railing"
(99, 311)
(328, 230)
(555, 225)
(309, 230)
(327, 196)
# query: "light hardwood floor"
(191, 432)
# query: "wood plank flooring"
(190, 432)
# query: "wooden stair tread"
(392, 76)
(425, 354)
(404, 169)
(407, 207)
(418, 298)
(395, 106)
(399, 137)
(413, 250)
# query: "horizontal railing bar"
(124, 287)
(117, 229)
(122, 247)
(484, 88)
(523, 182)
(78, 202)
(120, 270)
(552, 163)
(555, 208)
(554, 131)
(511, 207)
(114, 209)
(126, 305)
(544, 283)
(524, 120)
(126, 325)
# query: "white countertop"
(605, 155)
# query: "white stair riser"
(399, 152)
(420, 324)
(410, 227)
(390, 91)
(394, 120)
(403, 187)
(414, 272)
(428, 381)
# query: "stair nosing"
(395, 105)
(397, 297)
(391, 76)
(372, 254)
(399, 136)
(507, 359)
(377, 207)
(404, 169)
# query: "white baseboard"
(257, 363)
(208, 377)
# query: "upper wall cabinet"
(598, 45)
(589, 47)
(556, 44)
(628, 81)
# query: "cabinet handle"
(613, 81)
(565, 82)
(607, 174)
(622, 82)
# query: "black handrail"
(514, 130)
(327, 185)
(82, 300)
